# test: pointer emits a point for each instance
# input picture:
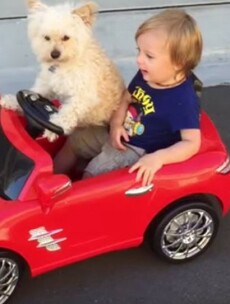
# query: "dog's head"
(59, 33)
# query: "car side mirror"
(49, 187)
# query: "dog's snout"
(55, 54)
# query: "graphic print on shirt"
(142, 105)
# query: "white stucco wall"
(115, 28)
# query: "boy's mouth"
(144, 72)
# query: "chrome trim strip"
(139, 191)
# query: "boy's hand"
(116, 134)
(146, 168)
(149, 164)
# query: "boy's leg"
(83, 143)
(110, 159)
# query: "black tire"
(11, 268)
(184, 232)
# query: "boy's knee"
(107, 160)
(96, 166)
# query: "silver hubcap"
(9, 275)
(187, 234)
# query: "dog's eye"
(65, 38)
(47, 38)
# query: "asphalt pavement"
(136, 276)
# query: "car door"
(101, 213)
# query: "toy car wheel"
(185, 232)
(10, 273)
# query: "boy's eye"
(47, 38)
(149, 56)
(65, 38)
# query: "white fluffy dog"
(74, 68)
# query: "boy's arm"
(149, 164)
(182, 150)
(117, 131)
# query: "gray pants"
(93, 143)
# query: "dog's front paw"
(62, 121)
(10, 102)
(49, 135)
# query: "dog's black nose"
(55, 54)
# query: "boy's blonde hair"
(184, 39)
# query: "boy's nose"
(139, 59)
(55, 54)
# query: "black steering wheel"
(37, 110)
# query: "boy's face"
(153, 59)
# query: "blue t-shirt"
(156, 116)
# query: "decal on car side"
(45, 239)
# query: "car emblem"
(45, 239)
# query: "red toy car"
(48, 220)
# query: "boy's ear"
(34, 5)
(87, 12)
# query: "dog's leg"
(70, 113)
(66, 118)
(10, 102)
(41, 87)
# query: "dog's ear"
(35, 5)
(87, 12)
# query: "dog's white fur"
(83, 78)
